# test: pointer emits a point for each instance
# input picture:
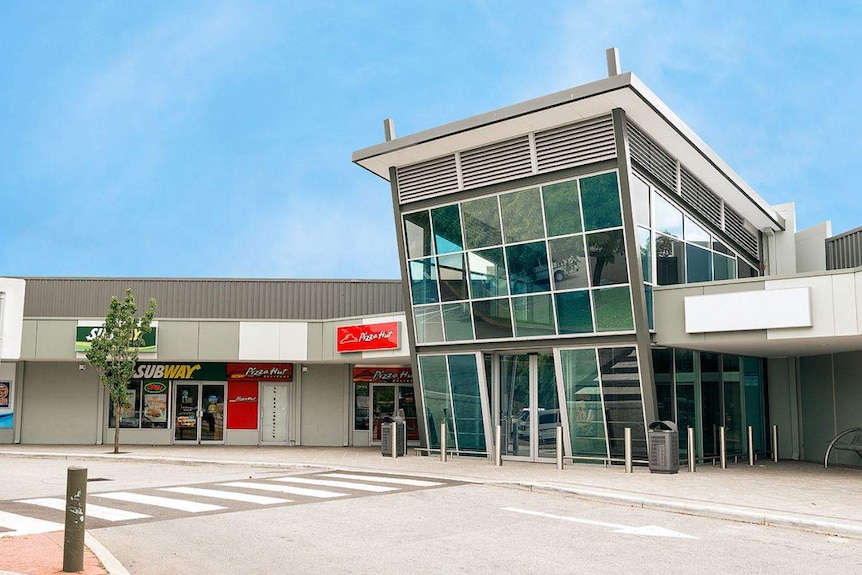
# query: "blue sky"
(213, 139)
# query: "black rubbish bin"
(398, 426)
(663, 447)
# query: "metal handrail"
(835, 440)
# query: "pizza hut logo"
(367, 337)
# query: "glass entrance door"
(199, 412)
(529, 406)
(394, 400)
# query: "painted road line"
(97, 511)
(21, 525)
(284, 489)
(341, 484)
(651, 530)
(232, 495)
(383, 479)
(179, 504)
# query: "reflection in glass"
(696, 234)
(548, 406)
(721, 248)
(753, 381)
(492, 318)
(428, 324)
(382, 405)
(360, 406)
(670, 260)
(533, 315)
(574, 314)
(457, 321)
(731, 382)
(698, 264)
(453, 277)
(567, 259)
(447, 229)
(745, 270)
(436, 399)
(662, 364)
(710, 400)
(562, 211)
(640, 197)
(522, 215)
(645, 249)
(481, 223)
(684, 360)
(583, 402)
(487, 273)
(212, 407)
(607, 253)
(466, 402)
(515, 404)
(724, 268)
(528, 268)
(649, 306)
(668, 219)
(423, 281)
(623, 404)
(418, 229)
(600, 202)
(613, 309)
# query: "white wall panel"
(743, 311)
(822, 307)
(844, 304)
(259, 340)
(293, 344)
(13, 317)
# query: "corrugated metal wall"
(844, 251)
(215, 298)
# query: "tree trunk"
(117, 427)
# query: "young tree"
(114, 351)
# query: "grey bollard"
(443, 442)
(394, 438)
(76, 507)
(692, 455)
(498, 448)
(628, 452)
(751, 445)
(775, 443)
(722, 446)
(559, 447)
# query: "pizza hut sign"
(367, 337)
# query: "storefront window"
(622, 396)
(360, 408)
(583, 402)
(146, 406)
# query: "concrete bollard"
(76, 516)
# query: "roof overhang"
(624, 91)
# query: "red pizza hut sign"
(367, 337)
(260, 371)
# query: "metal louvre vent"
(496, 163)
(734, 227)
(651, 157)
(844, 251)
(707, 203)
(427, 180)
(576, 144)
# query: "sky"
(214, 139)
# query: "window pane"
(721, 248)
(155, 407)
(698, 264)
(649, 306)
(670, 260)
(533, 316)
(745, 270)
(567, 257)
(645, 248)
(600, 202)
(623, 405)
(447, 229)
(613, 309)
(466, 401)
(607, 253)
(435, 395)
(487, 273)
(562, 211)
(522, 216)
(528, 268)
(360, 408)
(583, 402)
(423, 281)
(493, 318)
(640, 197)
(453, 277)
(574, 314)
(418, 229)
(482, 223)
(668, 219)
(696, 234)
(429, 324)
(130, 412)
(457, 321)
(724, 268)
(662, 362)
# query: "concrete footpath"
(785, 494)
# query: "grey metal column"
(628, 449)
(775, 443)
(722, 447)
(443, 442)
(750, 445)
(559, 447)
(692, 450)
(498, 447)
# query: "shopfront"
(380, 393)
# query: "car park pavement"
(786, 494)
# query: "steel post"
(559, 447)
(443, 442)
(498, 447)
(750, 445)
(692, 451)
(76, 516)
(628, 440)
(722, 446)
(775, 443)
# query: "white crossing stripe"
(180, 504)
(341, 484)
(383, 479)
(233, 495)
(285, 489)
(22, 525)
(97, 511)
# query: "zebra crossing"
(44, 514)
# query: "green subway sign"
(84, 335)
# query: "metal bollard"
(750, 445)
(559, 447)
(498, 447)
(722, 446)
(443, 442)
(692, 449)
(628, 440)
(394, 439)
(76, 515)
(775, 443)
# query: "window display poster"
(156, 405)
(4, 394)
(5, 405)
(242, 410)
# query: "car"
(549, 419)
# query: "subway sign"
(194, 371)
(85, 332)
(366, 337)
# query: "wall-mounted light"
(82, 367)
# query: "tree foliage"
(114, 351)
